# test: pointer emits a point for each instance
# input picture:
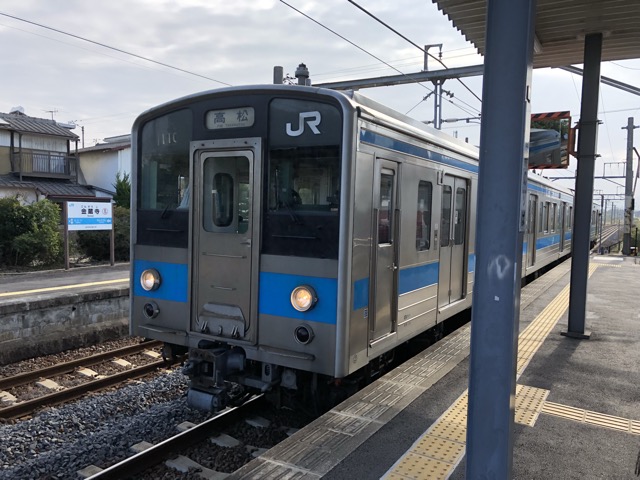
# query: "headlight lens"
(303, 298)
(150, 279)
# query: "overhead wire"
(352, 43)
(84, 39)
(412, 43)
(374, 56)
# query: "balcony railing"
(45, 164)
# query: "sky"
(238, 42)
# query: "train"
(291, 238)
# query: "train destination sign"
(89, 215)
(230, 118)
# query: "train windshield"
(302, 207)
(163, 193)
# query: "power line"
(350, 42)
(370, 54)
(412, 43)
(113, 48)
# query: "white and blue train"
(290, 238)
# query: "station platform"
(577, 408)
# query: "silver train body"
(287, 234)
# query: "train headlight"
(150, 279)
(303, 298)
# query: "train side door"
(531, 229)
(225, 217)
(453, 241)
(383, 320)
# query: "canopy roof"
(561, 27)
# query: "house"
(100, 164)
(38, 159)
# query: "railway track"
(92, 382)
(154, 455)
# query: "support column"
(628, 190)
(502, 185)
(587, 141)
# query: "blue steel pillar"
(587, 141)
(502, 183)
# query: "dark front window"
(302, 180)
(302, 211)
(163, 193)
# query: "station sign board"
(89, 215)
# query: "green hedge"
(29, 234)
(95, 244)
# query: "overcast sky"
(238, 42)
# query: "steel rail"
(24, 408)
(153, 455)
(66, 367)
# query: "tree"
(122, 198)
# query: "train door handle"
(393, 267)
(246, 242)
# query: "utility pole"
(628, 190)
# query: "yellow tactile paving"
(592, 418)
(451, 427)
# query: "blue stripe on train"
(404, 147)
(174, 280)
(275, 297)
(409, 279)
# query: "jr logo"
(312, 119)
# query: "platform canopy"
(560, 28)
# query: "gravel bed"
(97, 430)
(230, 459)
(37, 363)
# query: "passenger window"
(423, 220)
(460, 216)
(446, 216)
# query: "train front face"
(237, 234)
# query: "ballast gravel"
(97, 430)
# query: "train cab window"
(423, 219)
(445, 235)
(459, 221)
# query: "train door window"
(423, 220)
(385, 209)
(226, 194)
(459, 221)
(541, 222)
(554, 215)
(546, 216)
(445, 235)
(570, 218)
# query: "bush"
(95, 244)
(29, 234)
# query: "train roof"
(366, 106)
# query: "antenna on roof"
(51, 112)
